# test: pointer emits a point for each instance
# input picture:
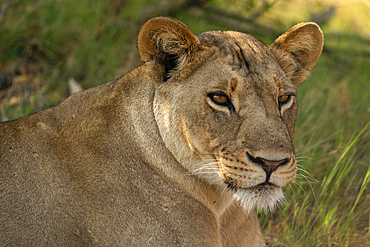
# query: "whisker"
(205, 168)
(298, 185)
(291, 187)
(309, 175)
(309, 182)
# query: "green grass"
(43, 43)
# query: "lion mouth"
(264, 186)
(264, 196)
(261, 186)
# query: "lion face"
(227, 107)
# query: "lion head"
(225, 103)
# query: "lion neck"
(178, 165)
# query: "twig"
(236, 21)
(288, 217)
(3, 8)
(285, 221)
(167, 8)
(265, 6)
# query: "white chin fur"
(263, 197)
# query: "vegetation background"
(45, 43)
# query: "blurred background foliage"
(45, 43)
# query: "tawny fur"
(151, 159)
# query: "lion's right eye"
(221, 99)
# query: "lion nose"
(269, 166)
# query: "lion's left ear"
(167, 42)
(298, 49)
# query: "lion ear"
(167, 42)
(298, 49)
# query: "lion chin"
(263, 196)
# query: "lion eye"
(219, 99)
(284, 99)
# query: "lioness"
(178, 152)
